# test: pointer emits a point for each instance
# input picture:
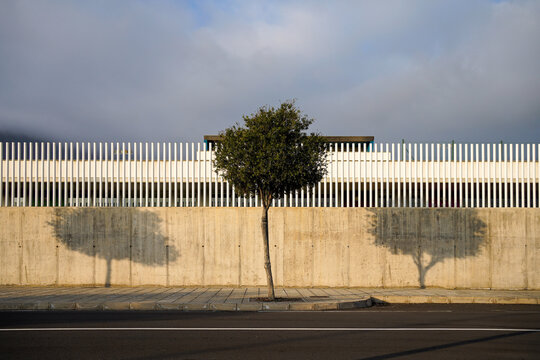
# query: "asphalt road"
(389, 332)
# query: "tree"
(271, 156)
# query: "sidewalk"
(240, 299)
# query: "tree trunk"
(267, 265)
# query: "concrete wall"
(450, 248)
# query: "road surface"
(387, 332)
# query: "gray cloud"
(421, 70)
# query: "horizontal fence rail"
(182, 174)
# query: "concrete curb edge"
(151, 305)
(277, 306)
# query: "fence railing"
(182, 174)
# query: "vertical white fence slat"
(476, 175)
(24, 180)
(444, 180)
(31, 175)
(53, 184)
(417, 164)
(182, 182)
(438, 177)
(398, 180)
(454, 175)
(175, 172)
(83, 176)
(500, 189)
(175, 147)
(375, 164)
(522, 175)
(363, 174)
(61, 166)
(197, 163)
(481, 178)
(393, 176)
(18, 177)
(152, 178)
(511, 160)
(192, 162)
(460, 160)
(408, 174)
(211, 202)
(387, 172)
(107, 183)
(169, 183)
(126, 174)
(34, 174)
(157, 179)
(422, 162)
(488, 163)
(48, 179)
(466, 178)
(332, 173)
(101, 195)
(528, 175)
(536, 173)
(348, 192)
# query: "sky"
(419, 70)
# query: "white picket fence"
(181, 174)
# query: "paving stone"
(275, 306)
(222, 295)
(34, 306)
(63, 306)
(461, 299)
(142, 305)
(168, 306)
(526, 301)
(249, 306)
(420, 299)
(396, 299)
(250, 292)
(325, 306)
(438, 299)
(124, 305)
(236, 296)
(301, 306)
(90, 306)
(195, 307)
(10, 306)
(182, 296)
(506, 300)
(223, 307)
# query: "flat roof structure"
(211, 139)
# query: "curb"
(400, 299)
(259, 306)
(210, 307)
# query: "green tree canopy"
(271, 155)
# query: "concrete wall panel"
(394, 247)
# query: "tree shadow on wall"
(114, 234)
(429, 236)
